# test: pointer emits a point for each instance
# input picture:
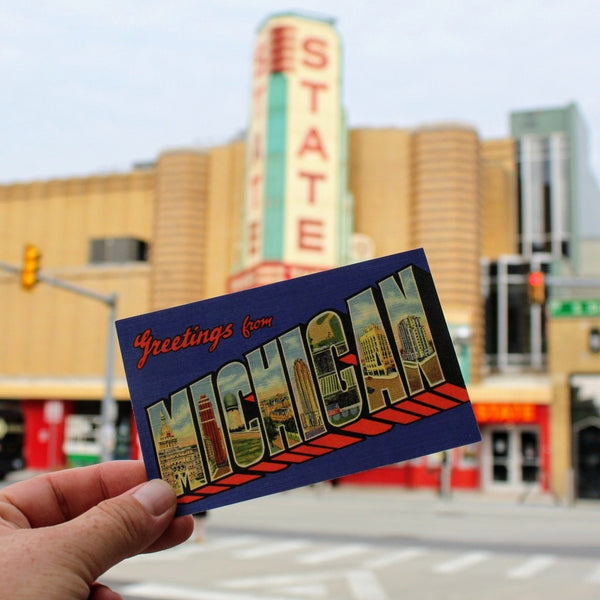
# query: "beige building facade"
(169, 233)
(197, 223)
(185, 211)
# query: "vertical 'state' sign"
(294, 150)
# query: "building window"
(515, 330)
(118, 250)
(542, 187)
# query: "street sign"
(575, 308)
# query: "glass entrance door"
(501, 456)
(511, 457)
(587, 460)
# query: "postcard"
(296, 382)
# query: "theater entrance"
(511, 457)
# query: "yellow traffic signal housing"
(31, 266)
(536, 287)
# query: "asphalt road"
(347, 543)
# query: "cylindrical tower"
(447, 222)
(178, 250)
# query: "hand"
(59, 532)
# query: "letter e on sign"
(310, 234)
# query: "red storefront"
(44, 439)
(514, 454)
(60, 433)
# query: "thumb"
(118, 528)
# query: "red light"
(536, 278)
(537, 287)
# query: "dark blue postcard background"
(290, 303)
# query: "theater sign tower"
(297, 210)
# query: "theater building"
(302, 193)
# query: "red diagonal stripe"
(435, 400)
(214, 489)
(368, 427)
(188, 499)
(396, 416)
(335, 440)
(290, 457)
(239, 479)
(314, 450)
(267, 467)
(454, 391)
(411, 406)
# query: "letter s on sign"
(315, 49)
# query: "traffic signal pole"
(109, 405)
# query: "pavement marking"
(392, 558)
(172, 554)
(280, 579)
(191, 548)
(531, 567)
(332, 554)
(268, 549)
(461, 562)
(231, 541)
(594, 576)
(179, 592)
(312, 590)
(365, 585)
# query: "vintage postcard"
(296, 382)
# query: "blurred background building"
(300, 193)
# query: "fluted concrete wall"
(447, 221)
(379, 179)
(178, 250)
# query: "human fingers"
(53, 498)
(115, 529)
(177, 532)
(100, 591)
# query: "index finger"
(57, 497)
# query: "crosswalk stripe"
(332, 554)
(312, 590)
(392, 558)
(461, 562)
(176, 592)
(594, 576)
(312, 552)
(232, 541)
(365, 585)
(280, 580)
(170, 555)
(270, 549)
(191, 548)
(531, 567)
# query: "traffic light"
(536, 287)
(31, 266)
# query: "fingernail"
(156, 496)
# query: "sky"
(94, 86)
